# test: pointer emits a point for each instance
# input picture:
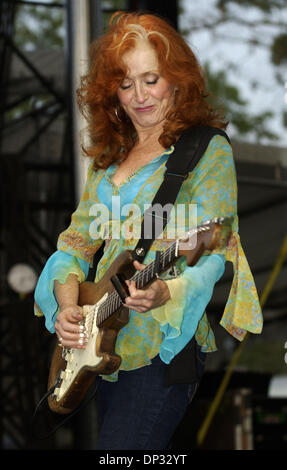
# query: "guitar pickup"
(118, 281)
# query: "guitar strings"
(113, 302)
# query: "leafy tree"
(235, 108)
(39, 27)
(262, 25)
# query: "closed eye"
(149, 81)
(125, 87)
(152, 82)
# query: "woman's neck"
(149, 134)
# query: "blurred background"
(242, 45)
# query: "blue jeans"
(138, 412)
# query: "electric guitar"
(73, 371)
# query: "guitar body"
(73, 371)
(77, 368)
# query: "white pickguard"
(79, 358)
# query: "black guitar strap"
(188, 151)
(184, 367)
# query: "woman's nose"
(141, 93)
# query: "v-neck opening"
(110, 174)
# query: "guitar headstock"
(211, 234)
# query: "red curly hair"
(112, 138)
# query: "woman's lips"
(144, 109)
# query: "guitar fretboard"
(168, 257)
(141, 278)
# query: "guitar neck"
(141, 278)
(150, 272)
(204, 236)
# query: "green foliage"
(279, 50)
(39, 27)
(257, 24)
(226, 96)
(277, 44)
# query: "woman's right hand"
(70, 327)
(69, 330)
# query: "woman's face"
(144, 94)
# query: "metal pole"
(84, 25)
(79, 40)
(96, 19)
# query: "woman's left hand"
(142, 300)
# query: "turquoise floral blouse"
(211, 189)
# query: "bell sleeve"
(212, 186)
(58, 267)
(75, 250)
